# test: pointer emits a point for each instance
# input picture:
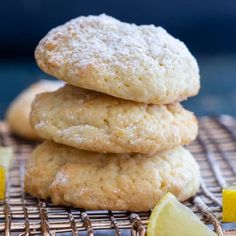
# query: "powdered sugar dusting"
(101, 47)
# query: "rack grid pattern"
(21, 214)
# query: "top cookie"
(140, 63)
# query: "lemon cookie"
(98, 122)
(19, 110)
(140, 63)
(94, 181)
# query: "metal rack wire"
(21, 214)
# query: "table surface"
(217, 94)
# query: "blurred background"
(207, 27)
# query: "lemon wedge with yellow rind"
(229, 204)
(172, 218)
(5, 159)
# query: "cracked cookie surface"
(98, 122)
(90, 180)
(140, 63)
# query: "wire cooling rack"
(21, 214)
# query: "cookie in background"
(17, 115)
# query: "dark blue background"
(207, 27)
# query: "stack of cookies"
(115, 132)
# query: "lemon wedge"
(229, 204)
(5, 159)
(172, 218)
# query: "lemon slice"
(172, 218)
(5, 159)
(229, 204)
